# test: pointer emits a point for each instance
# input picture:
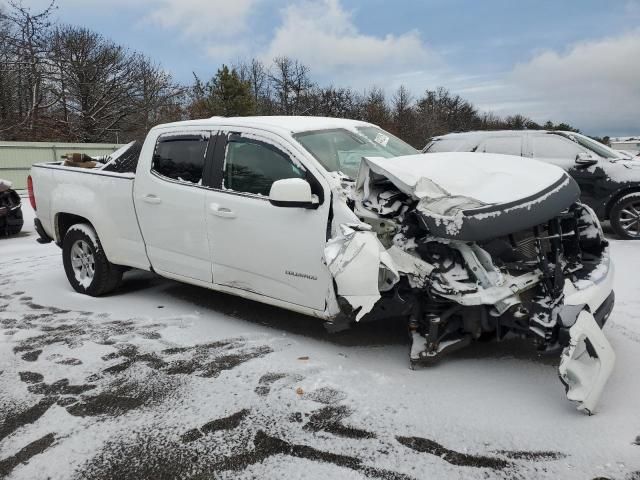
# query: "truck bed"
(102, 198)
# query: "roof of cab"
(291, 124)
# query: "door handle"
(218, 211)
(152, 199)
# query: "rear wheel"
(85, 263)
(625, 217)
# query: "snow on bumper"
(595, 289)
(587, 363)
(588, 360)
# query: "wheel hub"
(83, 262)
(630, 219)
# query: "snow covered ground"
(165, 380)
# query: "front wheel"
(85, 263)
(625, 217)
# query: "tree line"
(68, 83)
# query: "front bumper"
(587, 359)
(595, 290)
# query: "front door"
(256, 246)
(170, 204)
(563, 152)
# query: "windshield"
(341, 150)
(593, 146)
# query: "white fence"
(16, 158)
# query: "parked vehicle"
(11, 220)
(609, 181)
(341, 220)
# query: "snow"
(488, 178)
(496, 400)
(621, 170)
(288, 124)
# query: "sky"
(575, 61)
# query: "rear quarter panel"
(104, 199)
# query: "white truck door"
(256, 246)
(169, 202)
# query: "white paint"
(487, 178)
(585, 375)
(354, 258)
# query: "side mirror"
(585, 160)
(292, 192)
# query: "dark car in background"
(11, 220)
(609, 181)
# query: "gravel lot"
(165, 380)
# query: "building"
(628, 144)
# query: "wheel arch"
(617, 196)
(64, 221)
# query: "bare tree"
(290, 83)
(25, 37)
(70, 83)
(156, 99)
(404, 122)
(375, 108)
(255, 72)
(99, 82)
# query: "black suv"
(10, 210)
(609, 181)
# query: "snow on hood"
(488, 178)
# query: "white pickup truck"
(341, 220)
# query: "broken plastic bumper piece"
(586, 363)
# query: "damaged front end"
(464, 268)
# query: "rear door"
(170, 201)
(256, 246)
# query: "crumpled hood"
(472, 196)
(488, 178)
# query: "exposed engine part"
(461, 275)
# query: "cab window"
(252, 166)
(180, 158)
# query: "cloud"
(203, 18)
(323, 35)
(594, 85)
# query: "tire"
(15, 222)
(625, 217)
(11, 224)
(85, 263)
